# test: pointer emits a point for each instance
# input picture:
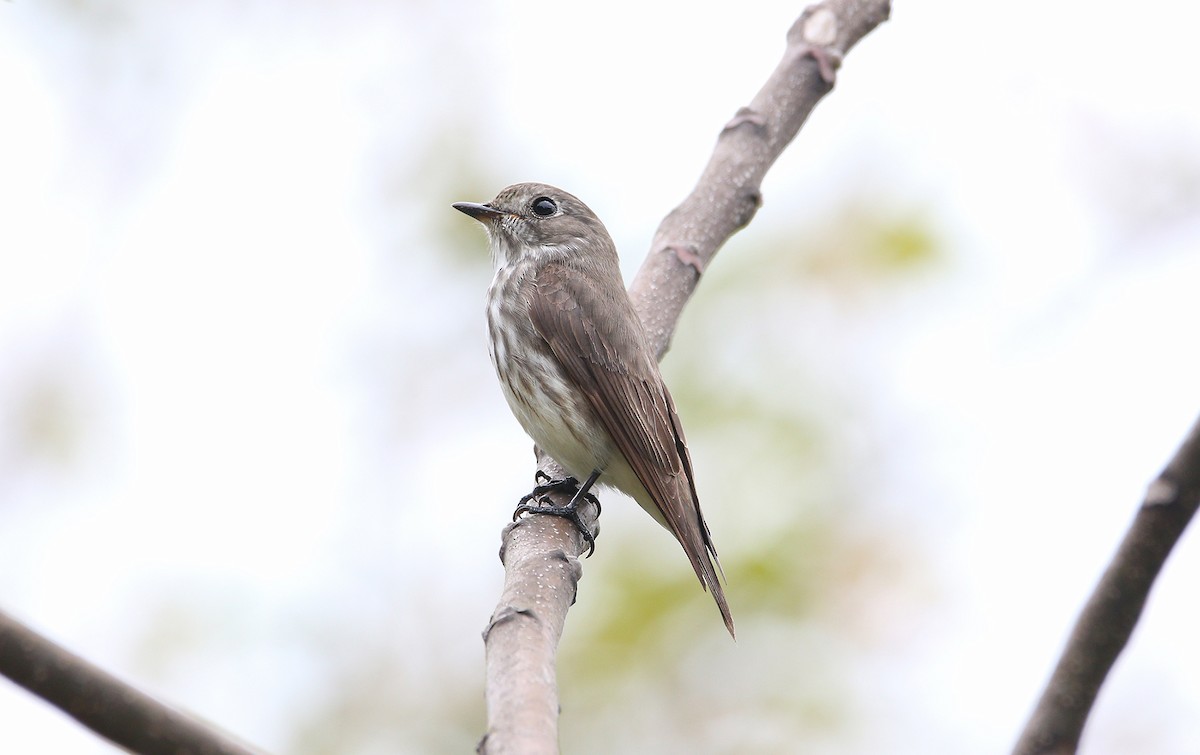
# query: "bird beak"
(480, 212)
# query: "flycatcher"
(576, 366)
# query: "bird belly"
(565, 427)
(553, 413)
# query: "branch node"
(752, 200)
(687, 255)
(1161, 492)
(504, 615)
(814, 35)
(504, 537)
(816, 26)
(746, 116)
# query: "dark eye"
(544, 207)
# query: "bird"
(577, 369)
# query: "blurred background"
(253, 457)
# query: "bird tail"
(703, 555)
(694, 536)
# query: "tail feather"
(693, 535)
(703, 555)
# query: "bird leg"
(536, 503)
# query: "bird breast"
(554, 413)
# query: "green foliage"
(860, 247)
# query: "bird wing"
(607, 358)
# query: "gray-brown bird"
(576, 366)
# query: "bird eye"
(544, 207)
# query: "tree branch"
(728, 194)
(541, 573)
(1112, 612)
(540, 553)
(109, 707)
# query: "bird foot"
(537, 503)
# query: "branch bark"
(1110, 615)
(541, 573)
(104, 704)
(541, 553)
(728, 194)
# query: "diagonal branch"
(1112, 612)
(101, 702)
(728, 194)
(540, 553)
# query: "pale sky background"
(244, 392)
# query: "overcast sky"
(214, 216)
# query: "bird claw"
(546, 484)
(536, 503)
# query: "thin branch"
(728, 194)
(541, 574)
(541, 553)
(108, 706)
(1112, 612)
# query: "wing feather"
(607, 357)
